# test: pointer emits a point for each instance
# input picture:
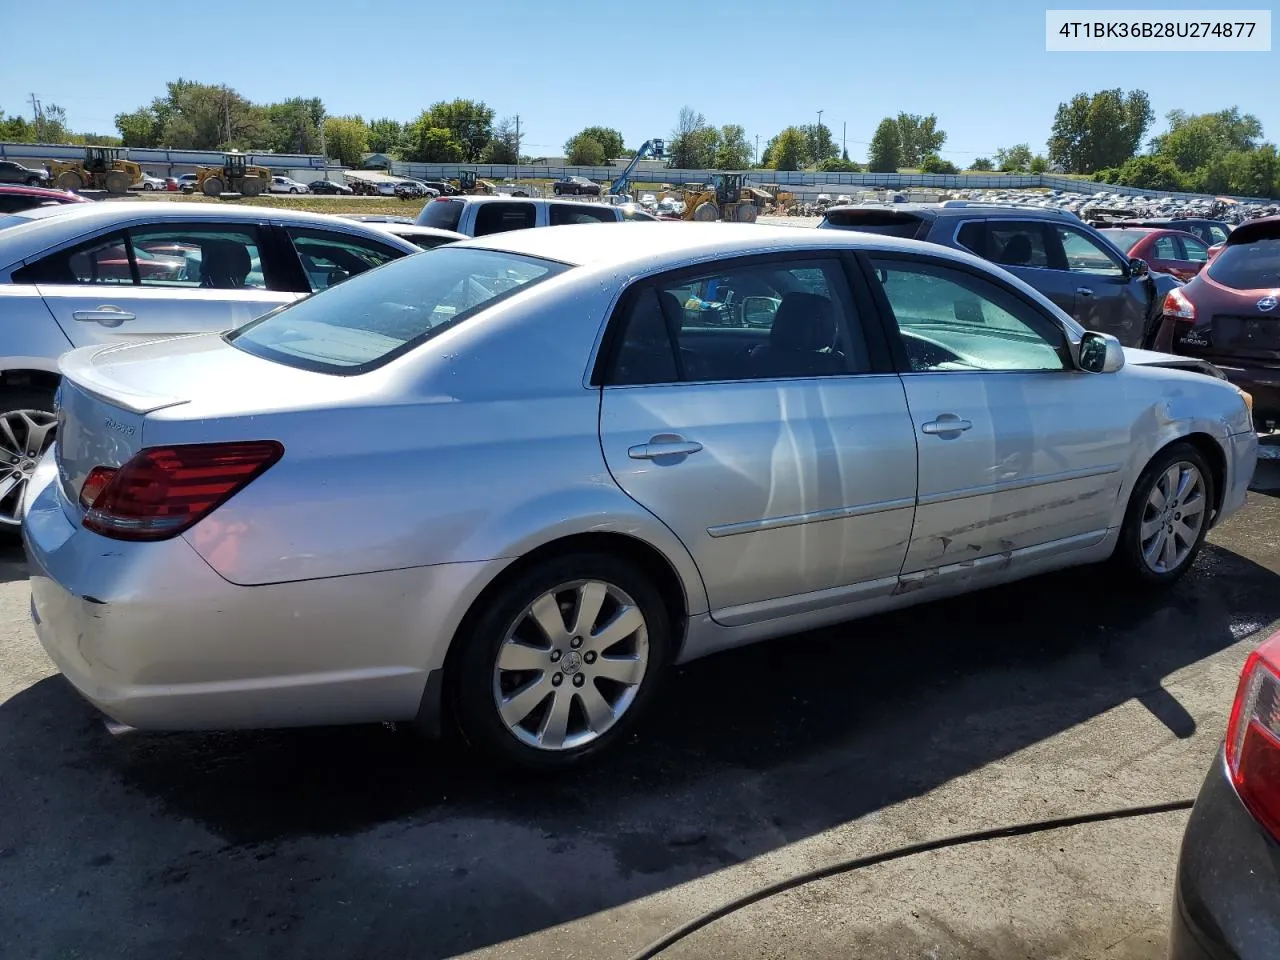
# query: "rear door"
(766, 429)
(159, 280)
(1193, 252)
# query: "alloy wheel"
(571, 665)
(1172, 517)
(24, 436)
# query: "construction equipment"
(101, 169)
(653, 148)
(235, 176)
(470, 185)
(727, 198)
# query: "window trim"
(889, 320)
(853, 303)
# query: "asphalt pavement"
(1059, 695)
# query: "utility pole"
(820, 113)
(324, 151)
(755, 157)
(517, 138)
(35, 114)
(844, 143)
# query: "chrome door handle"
(663, 445)
(105, 315)
(1084, 291)
(947, 423)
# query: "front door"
(156, 281)
(1109, 298)
(743, 406)
(1020, 454)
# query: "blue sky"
(982, 68)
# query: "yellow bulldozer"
(101, 169)
(234, 176)
(470, 185)
(727, 198)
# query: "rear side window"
(972, 237)
(330, 258)
(1217, 234)
(884, 222)
(441, 214)
(1248, 266)
(372, 319)
(1165, 249)
(565, 213)
(1014, 243)
(501, 217)
(215, 256)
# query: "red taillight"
(94, 484)
(1253, 735)
(442, 199)
(163, 491)
(1176, 304)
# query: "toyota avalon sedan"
(500, 487)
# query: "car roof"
(1263, 228)
(51, 226)
(645, 246)
(45, 192)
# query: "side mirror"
(1100, 353)
(1138, 267)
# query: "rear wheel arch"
(42, 381)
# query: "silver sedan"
(509, 482)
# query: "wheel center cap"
(571, 662)
(28, 465)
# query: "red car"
(1166, 251)
(15, 199)
(1229, 314)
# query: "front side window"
(1193, 249)
(100, 261)
(951, 320)
(328, 258)
(501, 217)
(1086, 255)
(1013, 243)
(1248, 266)
(758, 321)
(362, 324)
(217, 256)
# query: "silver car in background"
(506, 483)
(103, 273)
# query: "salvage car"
(13, 172)
(1226, 888)
(1229, 315)
(104, 273)
(1068, 261)
(370, 505)
(1178, 254)
(482, 216)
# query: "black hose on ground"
(668, 940)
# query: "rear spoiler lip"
(80, 368)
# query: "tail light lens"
(1176, 304)
(1253, 736)
(163, 491)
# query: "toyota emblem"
(1267, 303)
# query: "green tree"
(1015, 159)
(198, 116)
(935, 164)
(884, 155)
(346, 139)
(1193, 141)
(1104, 129)
(918, 137)
(818, 144)
(141, 128)
(838, 165)
(434, 145)
(694, 142)
(584, 151)
(733, 153)
(504, 146)
(1150, 173)
(788, 150)
(1246, 173)
(982, 163)
(14, 128)
(1038, 164)
(609, 139)
(295, 125)
(385, 135)
(470, 122)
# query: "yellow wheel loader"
(101, 169)
(234, 176)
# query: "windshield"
(1248, 266)
(366, 321)
(1126, 240)
(441, 214)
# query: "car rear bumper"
(1228, 883)
(154, 638)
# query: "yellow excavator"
(234, 176)
(727, 198)
(101, 169)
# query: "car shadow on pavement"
(13, 565)
(362, 840)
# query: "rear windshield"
(1126, 240)
(442, 214)
(874, 221)
(1248, 266)
(366, 321)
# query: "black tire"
(293, 189)
(22, 398)
(34, 181)
(1128, 559)
(469, 681)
